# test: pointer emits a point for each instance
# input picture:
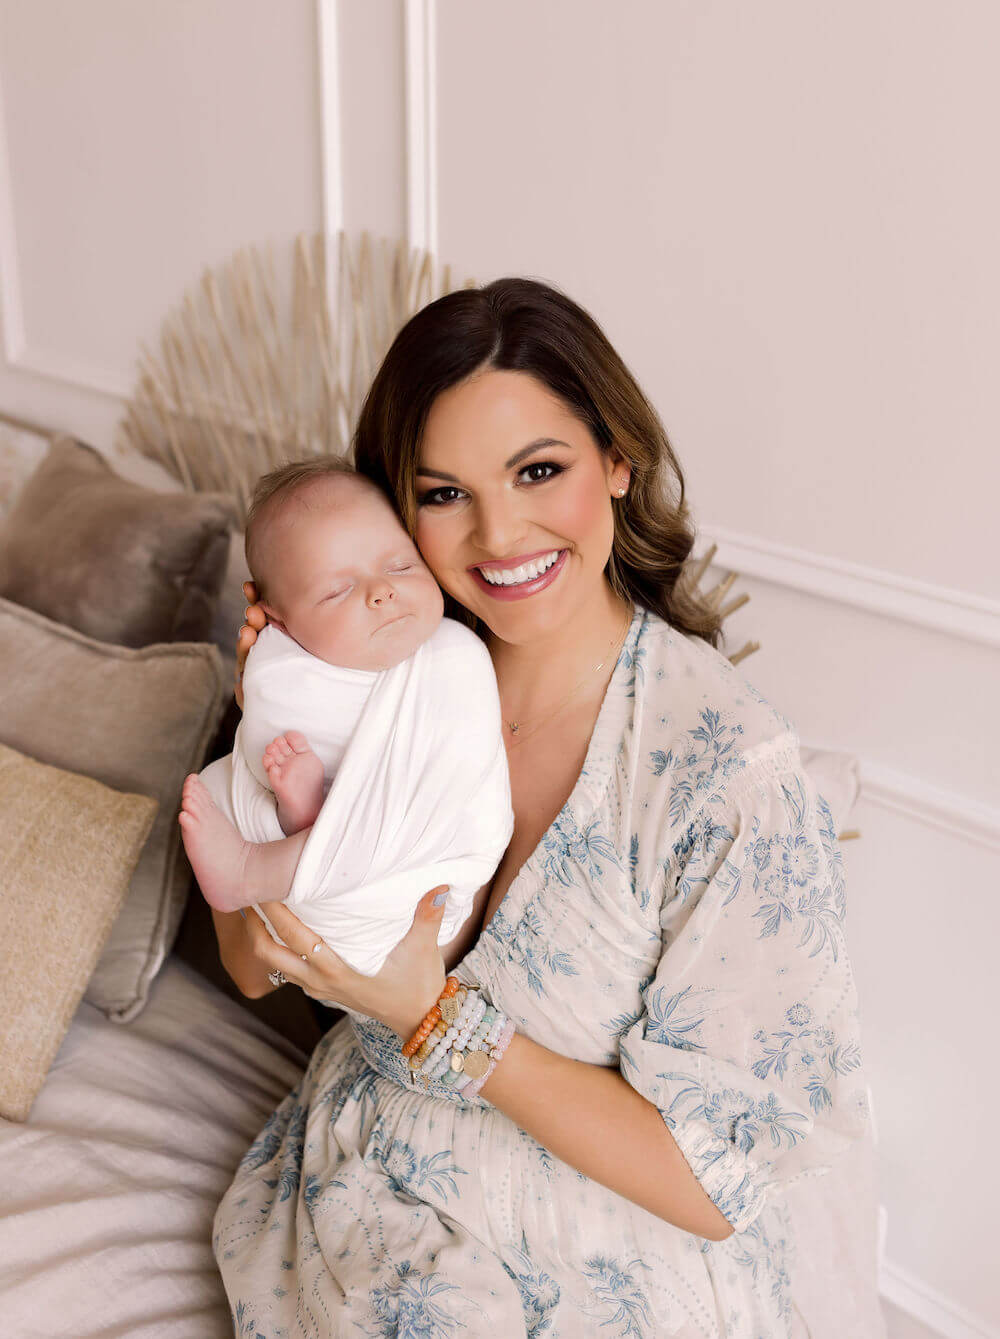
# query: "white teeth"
(516, 576)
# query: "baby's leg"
(295, 775)
(231, 872)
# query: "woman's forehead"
(492, 417)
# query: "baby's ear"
(272, 616)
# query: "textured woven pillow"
(119, 562)
(138, 721)
(69, 847)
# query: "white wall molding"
(421, 124)
(10, 288)
(953, 612)
(939, 1313)
(70, 372)
(958, 816)
(77, 372)
(18, 356)
(331, 165)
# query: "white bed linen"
(107, 1193)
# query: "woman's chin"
(525, 622)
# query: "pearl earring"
(621, 492)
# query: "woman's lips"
(527, 588)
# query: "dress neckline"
(587, 792)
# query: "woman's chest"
(541, 781)
(570, 938)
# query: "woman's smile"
(518, 578)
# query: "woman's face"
(514, 511)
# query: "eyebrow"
(515, 459)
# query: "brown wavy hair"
(522, 325)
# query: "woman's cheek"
(431, 540)
(580, 512)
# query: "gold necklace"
(517, 728)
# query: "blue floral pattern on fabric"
(683, 918)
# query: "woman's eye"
(540, 470)
(438, 497)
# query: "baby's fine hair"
(278, 487)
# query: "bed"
(110, 1186)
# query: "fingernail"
(440, 899)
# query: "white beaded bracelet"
(467, 1051)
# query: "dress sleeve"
(748, 1040)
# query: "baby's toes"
(274, 760)
(278, 750)
(297, 741)
(196, 798)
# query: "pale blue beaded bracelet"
(472, 1038)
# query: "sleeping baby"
(369, 765)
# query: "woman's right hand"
(255, 620)
(239, 939)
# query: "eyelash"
(430, 498)
(394, 571)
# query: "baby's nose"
(379, 594)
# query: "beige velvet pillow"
(69, 848)
(117, 561)
(138, 721)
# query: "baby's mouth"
(397, 618)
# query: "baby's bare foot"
(295, 774)
(219, 856)
(231, 872)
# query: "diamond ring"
(277, 978)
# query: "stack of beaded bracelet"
(459, 1041)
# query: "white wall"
(785, 217)
(144, 141)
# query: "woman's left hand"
(408, 984)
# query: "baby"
(369, 765)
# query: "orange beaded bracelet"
(430, 1018)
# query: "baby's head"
(335, 569)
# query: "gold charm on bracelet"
(476, 1063)
(449, 1009)
(456, 1061)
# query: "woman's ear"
(619, 474)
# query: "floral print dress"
(683, 919)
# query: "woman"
(665, 930)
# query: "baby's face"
(347, 582)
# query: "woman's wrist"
(459, 1041)
(405, 1025)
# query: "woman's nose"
(497, 527)
(380, 593)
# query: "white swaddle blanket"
(419, 793)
